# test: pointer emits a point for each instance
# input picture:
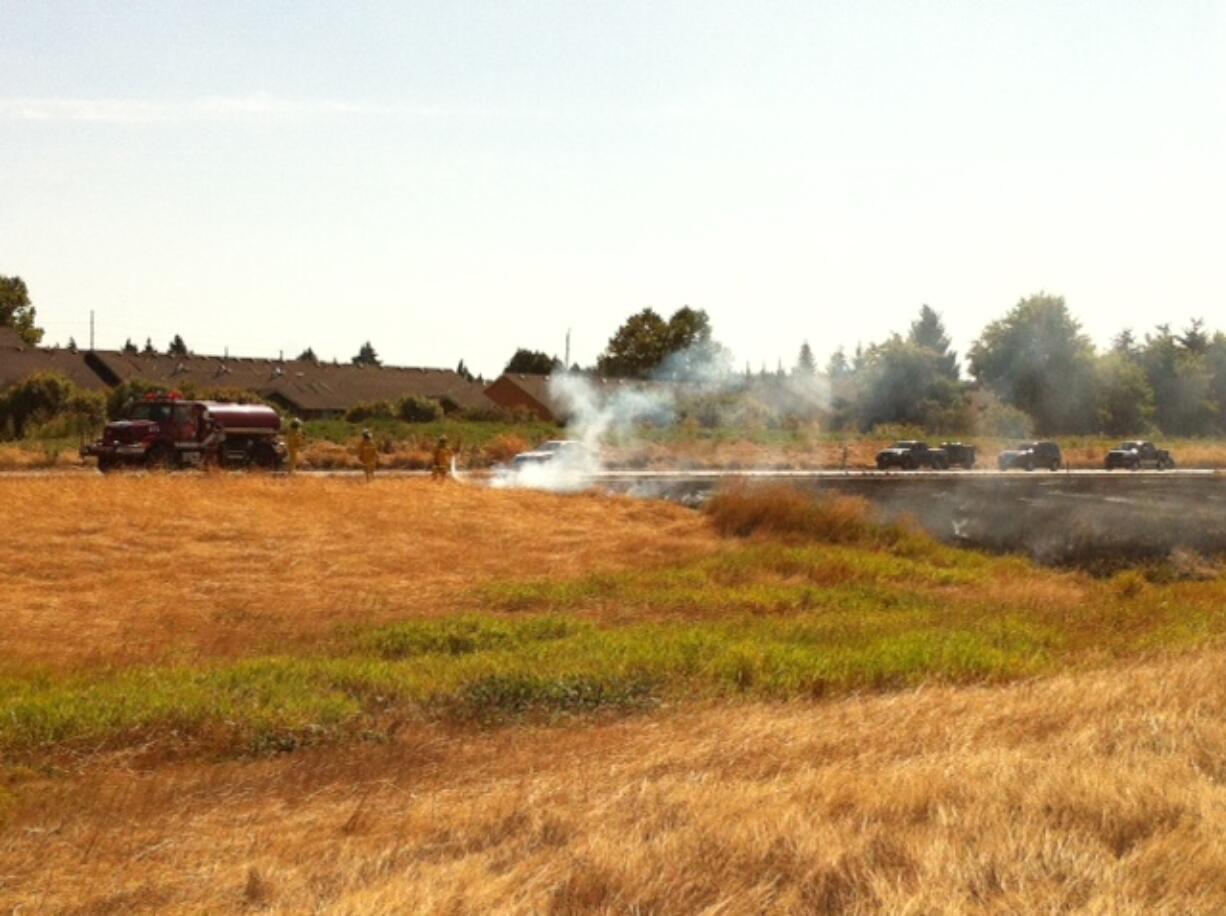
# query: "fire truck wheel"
(264, 457)
(106, 465)
(160, 458)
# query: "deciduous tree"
(532, 362)
(1037, 359)
(17, 312)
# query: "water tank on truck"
(169, 431)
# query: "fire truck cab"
(168, 431)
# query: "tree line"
(1032, 370)
(1035, 370)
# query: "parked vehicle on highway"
(168, 431)
(1137, 455)
(910, 455)
(566, 451)
(1030, 455)
(960, 454)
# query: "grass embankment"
(821, 601)
(164, 635)
(1099, 792)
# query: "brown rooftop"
(19, 362)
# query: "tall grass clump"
(784, 512)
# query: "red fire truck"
(168, 431)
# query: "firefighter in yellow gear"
(368, 454)
(441, 466)
(295, 442)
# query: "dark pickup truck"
(910, 455)
(959, 454)
(1134, 456)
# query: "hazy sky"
(456, 179)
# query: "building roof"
(17, 363)
(10, 338)
(539, 388)
(302, 384)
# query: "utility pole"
(566, 362)
(91, 330)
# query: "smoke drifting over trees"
(1031, 371)
(1036, 360)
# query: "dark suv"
(1030, 455)
(910, 454)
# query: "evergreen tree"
(367, 356)
(837, 366)
(1125, 344)
(806, 365)
(1181, 382)
(928, 331)
(308, 355)
(177, 347)
(129, 348)
(1194, 338)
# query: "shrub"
(370, 410)
(47, 397)
(417, 409)
(328, 456)
(504, 448)
(895, 432)
(491, 414)
(743, 511)
(129, 392)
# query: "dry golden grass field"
(228, 693)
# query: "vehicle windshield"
(158, 413)
(906, 443)
(1129, 446)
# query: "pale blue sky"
(457, 179)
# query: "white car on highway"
(555, 451)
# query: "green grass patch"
(757, 619)
(758, 579)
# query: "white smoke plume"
(598, 411)
(595, 411)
